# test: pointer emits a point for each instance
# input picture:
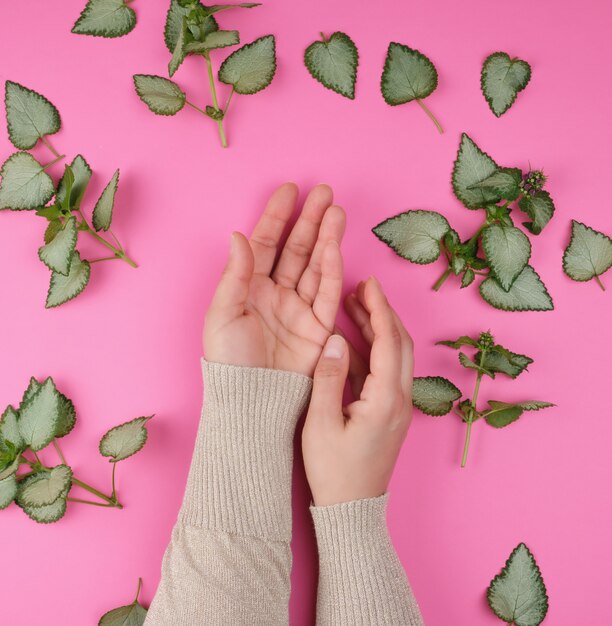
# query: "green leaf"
(414, 235)
(179, 53)
(10, 468)
(535, 405)
(81, 173)
(124, 440)
(333, 62)
(63, 288)
(29, 116)
(465, 360)
(47, 488)
(252, 67)
(501, 79)
(588, 255)
(505, 182)
(464, 340)
(105, 18)
(103, 211)
(174, 23)
(408, 75)
(507, 250)
(468, 278)
(51, 212)
(215, 8)
(214, 114)
(434, 395)
(540, 208)
(46, 514)
(39, 415)
(28, 394)
(161, 95)
(517, 595)
(509, 363)
(8, 491)
(130, 615)
(212, 41)
(9, 427)
(528, 293)
(67, 416)
(25, 184)
(502, 414)
(473, 166)
(53, 228)
(57, 254)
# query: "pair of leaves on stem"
(43, 416)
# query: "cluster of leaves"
(501, 79)
(133, 614)
(510, 283)
(517, 595)
(588, 254)
(44, 416)
(192, 30)
(436, 396)
(106, 18)
(26, 185)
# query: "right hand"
(350, 452)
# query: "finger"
(359, 316)
(269, 230)
(358, 368)
(301, 242)
(327, 300)
(332, 228)
(233, 289)
(328, 384)
(407, 358)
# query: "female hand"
(350, 452)
(279, 313)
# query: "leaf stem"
(89, 502)
(599, 283)
(472, 413)
(111, 501)
(213, 93)
(432, 117)
(442, 278)
(106, 258)
(193, 106)
(119, 253)
(138, 590)
(48, 144)
(323, 37)
(51, 163)
(59, 451)
(229, 99)
(114, 494)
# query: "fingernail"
(334, 348)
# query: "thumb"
(329, 380)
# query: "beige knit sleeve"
(361, 579)
(229, 558)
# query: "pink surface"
(130, 344)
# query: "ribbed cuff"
(240, 477)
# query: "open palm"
(278, 313)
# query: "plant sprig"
(192, 30)
(588, 254)
(26, 186)
(501, 79)
(44, 416)
(435, 395)
(106, 18)
(133, 614)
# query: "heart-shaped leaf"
(473, 166)
(124, 440)
(434, 395)
(57, 254)
(47, 514)
(540, 209)
(507, 250)
(528, 293)
(252, 67)
(38, 416)
(161, 95)
(501, 79)
(8, 491)
(588, 255)
(46, 488)
(105, 18)
(63, 288)
(25, 184)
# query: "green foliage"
(250, 68)
(133, 614)
(161, 95)
(123, 441)
(501, 79)
(25, 184)
(528, 293)
(434, 395)
(66, 287)
(103, 211)
(588, 255)
(105, 18)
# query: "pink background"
(130, 344)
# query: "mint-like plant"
(434, 395)
(133, 614)
(499, 251)
(192, 30)
(26, 186)
(501, 79)
(588, 254)
(44, 416)
(106, 18)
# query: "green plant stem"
(324, 38)
(106, 258)
(138, 590)
(600, 283)
(119, 253)
(111, 501)
(114, 494)
(88, 502)
(442, 278)
(59, 451)
(477, 234)
(48, 144)
(213, 93)
(466, 445)
(51, 163)
(229, 99)
(431, 116)
(197, 108)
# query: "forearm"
(361, 579)
(229, 559)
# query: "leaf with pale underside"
(589, 253)
(528, 293)
(501, 79)
(9, 427)
(39, 415)
(67, 412)
(517, 595)
(414, 235)
(105, 18)
(179, 53)
(63, 288)
(505, 182)
(25, 184)
(507, 250)
(124, 440)
(8, 490)
(213, 41)
(47, 488)
(103, 211)
(252, 67)
(29, 116)
(333, 62)
(162, 96)
(48, 513)
(540, 209)
(81, 173)
(57, 254)
(10, 469)
(434, 395)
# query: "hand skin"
(275, 309)
(350, 451)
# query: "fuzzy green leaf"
(589, 253)
(507, 250)
(535, 405)
(124, 440)
(161, 95)
(252, 67)
(212, 41)
(473, 166)
(81, 173)
(28, 394)
(464, 340)
(8, 491)
(29, 116)
(215, 8)
(10, 468)
(540, 209)
(174, 24)
(105, 18)
(47, 514)
(67, 416)
(465, 360)
(179, 53)
(25, 184)
(509, 363)
(47, 488)
(53, 228)
(39, 415)
(333, 62)
(528, 293)
(63, 288)
(468, 278)
(517, 595)
(501, 414)
(501, 79)
(504, 182)
(9, 427)
(414, 235)
(57, 254)
(103, 211)
(434, 395)
(130, 615)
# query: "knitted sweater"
(229, 559)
